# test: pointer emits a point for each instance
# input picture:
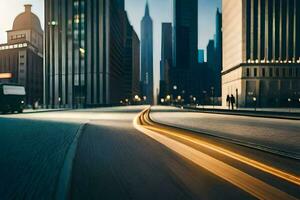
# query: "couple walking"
(230, 102)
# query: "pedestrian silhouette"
(228, 101)
(232, 101)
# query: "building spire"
(147, 12)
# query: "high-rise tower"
(147, 56)
(185, 45)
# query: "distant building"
(131, 62)
(261, 52)
(185, 46)
(147, 56)
(84, 58)
(22, 55)
(166, 58)
(201, 56)
(218, 54)
(211, 54)
(211, 64)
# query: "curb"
(267, 149)
(247, 114)
(64, 178)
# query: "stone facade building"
(261, 52)
(22, 55)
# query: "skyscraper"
(218, 54)
(84, 52)
(261, 52)
(147, 56)
(201, 56)
(185, 45)
(131, 76)
(166, 58)
(211, 54)
(185, 21)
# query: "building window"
(263, 72)
(248, 72)
(290, 72)
(277, 72)
(255, 72)
(297, 72)
(271, 72)
(283, 73)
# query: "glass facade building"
(185, 48)
(83, 52)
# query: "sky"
(160, 11)
(9, 9)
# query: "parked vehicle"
(12, 98)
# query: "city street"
(132, 153)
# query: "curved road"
(118, 159)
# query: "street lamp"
(136, 98)
(204, 95)
(254, 100)
(213, 96)
(59, 102)
(194, 100)
(289, 100)
(168, 97)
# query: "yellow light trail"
(242, 180)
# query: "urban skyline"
(135, 11)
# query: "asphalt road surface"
(278, 134)
(108, 153)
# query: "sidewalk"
(283, 110)
(280, 113)
(28, 111)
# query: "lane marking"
(258, 165)
(248, 183)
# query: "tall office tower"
(211, 54)
(147, 56)
(211, 64)
(83, 52)
(166, 58)
(22, 56)
(201, 56)
(185, 43)
(131, 76)
(261, 52)
(218, 54)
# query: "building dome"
(27, 21)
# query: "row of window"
(14, 46)
(17, 37)
(272, 72)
